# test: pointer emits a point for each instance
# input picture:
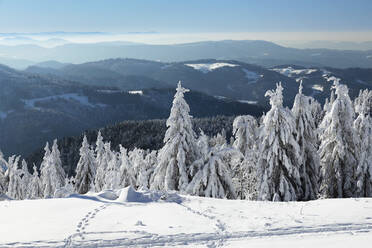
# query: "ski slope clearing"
(127, 218)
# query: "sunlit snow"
(136, 92)
(128, 218)
(205, 68)
(290, 72)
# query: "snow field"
(91, 220)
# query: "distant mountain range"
(258, 52)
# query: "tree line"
(303, 153)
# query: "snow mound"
(129, 194)
(205, 68)
(108, 195)
(4, 197)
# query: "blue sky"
(185, 16)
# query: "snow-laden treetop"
(276, 97)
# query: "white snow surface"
(318, 87)
(205, 68)
(290, 72)
(30, 103)
(247, 101)
(129, 218)
(136, 92)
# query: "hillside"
(221, 78)
(127, 218)
(37, 108)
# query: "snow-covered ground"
(136, 92)
(205, 68)
(247, 101)
(290, 72)
(127, 218)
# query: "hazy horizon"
(286, 22)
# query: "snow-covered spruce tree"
(35, 185)
(125, 177)
(179, 150)
(25, 180)
(147, 168)
(15, 181)
(363, 127)
(101, 163)
(245, 130)
(213, 175)
(3, 179)
(52, 173)
(306, 136)
(57, 163)
(279, 158)
(85, 169)
(111, 176)
(338, 149)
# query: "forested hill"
(147, 134)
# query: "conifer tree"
(338, 149)
(306, 137)
(25, 180)
(245, 129)
(125, 177)
(147, 168)
(101, 163)
(179, 150)
(85, 169)
(213, 175)
(363, 127)
(52, 173)
(15, 183)
(279, 160)
(35, 185)
(3, 179)
(111, 176)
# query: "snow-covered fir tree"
(52, 173)
(111, 176)
(306, 136)
(280, 159)
(35, 185)
(101, 163)
(338, 149)
(85, 169)
(179, 150)
(15, 189)
(25, 180)
(3, 179)
(363, 127)
(245, 130)
(57, 163)
(147, 168)
(213, 176)
(125, 177)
